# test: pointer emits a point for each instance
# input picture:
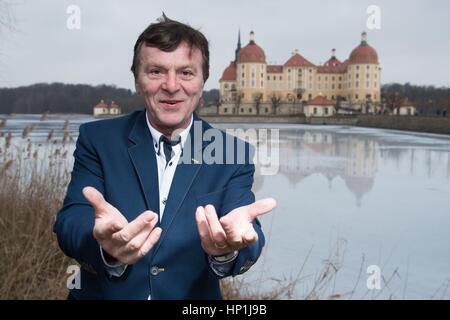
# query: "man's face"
(171, 84)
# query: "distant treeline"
(80, 98)
(429, 100)
(72, 98)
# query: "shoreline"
(436, 125)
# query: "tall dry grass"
(31, 266)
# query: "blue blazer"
(116, 156)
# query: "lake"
(369, 206)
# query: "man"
(142, 223)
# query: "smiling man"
(142, 224)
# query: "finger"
(96, 199)
(138, 241)
(203, 226)
(150, 242)
(261, 207)
(105, 229)
(134, 227)
(216, 230)
(250, 236)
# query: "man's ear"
(138, 88)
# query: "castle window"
(268, 78)
(250, 110)
(225, 110)
(332, 78)
(357, 84)
(339, 86)
(357, 67)
(325, 110)
(281, 78)
(315, 111)
(356, 96)
(289, 70)
(357, 76)
(310, 70)
(340, 78)
(242, 83)
(267, 110)
(274, 78)
(243, 74)
(225, 85)
(367, 84)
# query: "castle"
(251, 86)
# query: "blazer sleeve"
(239, 193)
(75, 220)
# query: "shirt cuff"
(223, 265)
(114, 269)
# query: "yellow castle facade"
(250, 80)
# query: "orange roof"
(114, 105)
(407, 103)
(251, 53)
(229, 74)
(333, 65)
(320, 101)
(363, 54)
(298, 61)
(274, 68)
(101, 104)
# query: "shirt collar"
(156, 135)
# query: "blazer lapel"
(143, 156)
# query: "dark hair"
(167, 35)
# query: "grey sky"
(413, 42)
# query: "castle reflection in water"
(351, 156)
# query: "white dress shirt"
(166, 171)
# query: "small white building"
(407, 108)
(114, 109)
(319, 107)
(102, 109)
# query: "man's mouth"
(170, 103)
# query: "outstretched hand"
(125, 241)
(234, 230)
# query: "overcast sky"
(413, 42)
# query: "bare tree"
(257, 97)
(7, 20)
(237, 102)
(394, 101)
(275, 101)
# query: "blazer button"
(154, 271)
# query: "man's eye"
(154, 71)
(187, 73)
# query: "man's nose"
(171, 84)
